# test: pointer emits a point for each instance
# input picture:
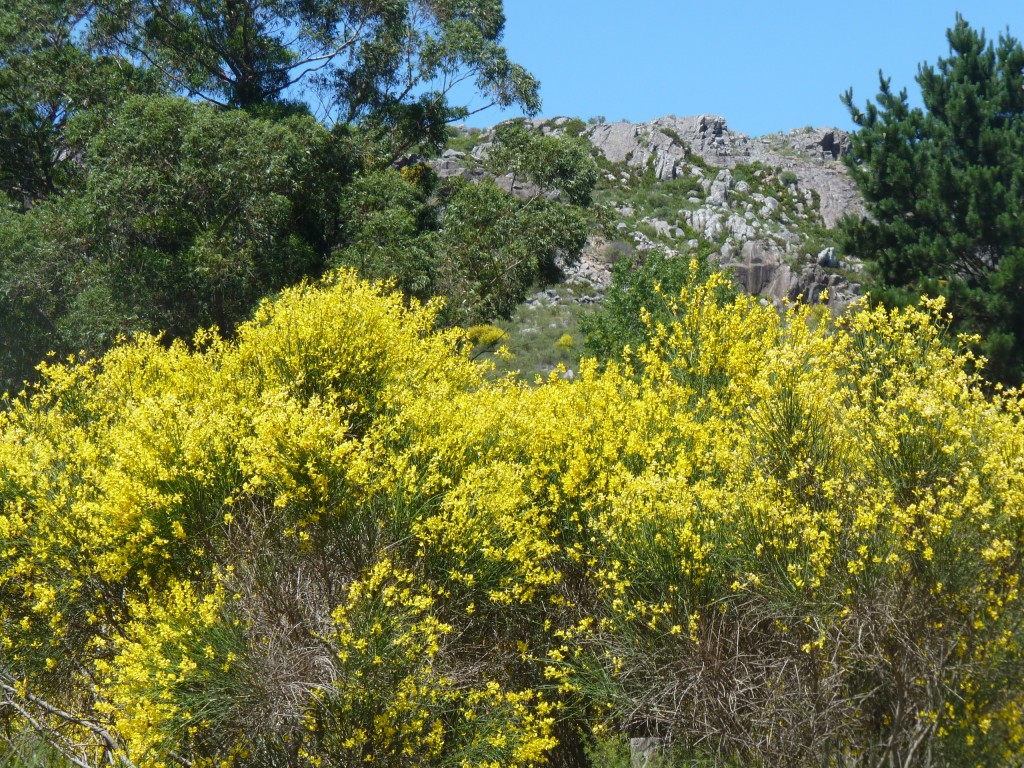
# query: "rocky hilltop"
(671, 143)
(771, 224)
(763, 207)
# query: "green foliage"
(45, 80)
(945, 188)
(388, 226)
(613, 750)
(663, 199)
(30, 750)
(186, 217)
(165, 215)
(574, 127)
(638, 301)
(476, 245)
(463, 139)
(203, 212)
(562, 163)
(496, 247)
(54, 297)
(387, 66)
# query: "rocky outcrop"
(591, 269)
(667, 145)
(453, 163)
(760, 223)
(665, 142)
(760, 230)
(761, 270)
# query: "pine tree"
(945, 189)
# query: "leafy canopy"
(944, 185)
(389, 64)
(134, 208)
(478, 245)
(47, 76)
(185, 216)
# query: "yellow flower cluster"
(333, 542)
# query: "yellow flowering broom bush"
(333, 541)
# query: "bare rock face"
(761, 243)
(665, 141)
(761, 269)
(453, 163)
(665, 144)
(757, 267)
(834, 186)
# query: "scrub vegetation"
(304, 481)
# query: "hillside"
(362, 441)
(762, 208)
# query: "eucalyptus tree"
(389, 65)
(48, 74)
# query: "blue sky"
(764, 66)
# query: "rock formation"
(759, 225)
(667, 144)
